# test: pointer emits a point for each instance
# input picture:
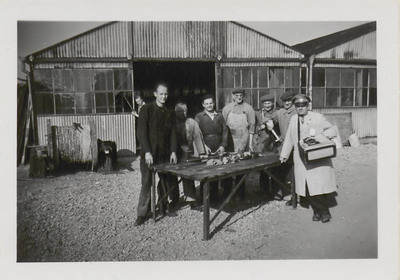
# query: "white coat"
(319, 175)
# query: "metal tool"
(278, 139)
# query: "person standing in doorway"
(157, 136)
(315, 181)
(240, 118)
(139, 102)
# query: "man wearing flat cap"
(282, 118)
(240, 118)
(264, 141)
(315, 181)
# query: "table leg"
(206, 210)
(153, 195)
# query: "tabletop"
(199, 171)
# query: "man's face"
(301, 109)
(161, 94)
(139, 100)
(180, 114)
(267, 105)
(208, 104)
(287, 104)
(238, 98)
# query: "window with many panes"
(257, 81)
(337, 87)
(83, 91)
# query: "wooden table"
(199, 171)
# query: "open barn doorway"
(187, 81)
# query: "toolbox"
(311, 152)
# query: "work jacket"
(156, 130)
(319, 175)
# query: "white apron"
(240, 130)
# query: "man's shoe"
(196, 207)
(289, 202)
(278, 197)
(171, 213)
(139, 221)
(326, 218)
(316, 217)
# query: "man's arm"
(143, 130)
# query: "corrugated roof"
(325, 43)
(209, 40)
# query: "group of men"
(168, 135)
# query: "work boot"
(139, 221)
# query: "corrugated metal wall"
(184, 39)
(82, 65)
(364, 120)
(263, 64)
(109, 41)
(363, 47)
(179, 40)
(245, 43)
(119, 128)
(345, 65)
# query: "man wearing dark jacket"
(157, 137)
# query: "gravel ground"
(89, 216)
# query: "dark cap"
(287, 96)
(301, 99)
(238, 90)
(267, 97)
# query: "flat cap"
(267, 97)
(238, 90)
(287, 96)
(301, 98)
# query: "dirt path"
(89, 217)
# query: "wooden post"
(56, 156)
(93, 143)
(49, 138)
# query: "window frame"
(57, 94)
(255, 91)
(359, 86)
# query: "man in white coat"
(315, 181)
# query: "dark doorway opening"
(187, 81)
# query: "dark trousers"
(213, 187)
(170, 182)
(189, 188)
(241, 192)
(319, 203)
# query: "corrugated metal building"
(343, 75)
(95, 75)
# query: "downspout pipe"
(310, 65)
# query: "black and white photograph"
(216, 146)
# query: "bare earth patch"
(89, 216)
